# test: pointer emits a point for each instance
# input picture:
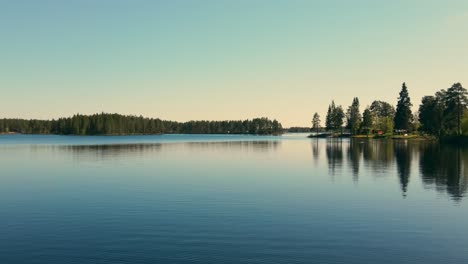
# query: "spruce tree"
(316, 122)
(403, 116)
(367, 121)
(329, 117)
(353, 116)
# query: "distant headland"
(442, 116)
(116, 124)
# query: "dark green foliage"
(298, 129)
(382, 109)
(442, 114)
(403, 116)
(115, 124)
(335, 116)
(329, 117)
(367, 121)
(338, 117)
(316, 122)
(456, 101)
(431, 113)
(353, 116)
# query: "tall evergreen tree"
(329, 117)
(335, 116)
(403, 116)
(456, 100)
(353, 116)
(316, 122)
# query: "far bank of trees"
(115, 124)
(442, 114)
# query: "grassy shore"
(327, 135)
(374, 136)
(414, 137)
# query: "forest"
(443, 114)
(116, 124)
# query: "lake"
(231, 199)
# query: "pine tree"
(403, 116)
(335, 116)
(316, 122)
(353, 116)
(367, 121)
(329, 117)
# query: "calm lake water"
(231, 199)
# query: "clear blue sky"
(184, 60)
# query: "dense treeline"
(444, 114)
(115, 124)
(298, 129)
(379, 116)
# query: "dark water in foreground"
(231, 199)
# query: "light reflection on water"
(441, 167)
(240, 199)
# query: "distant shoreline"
(123, 135)
(116, 124)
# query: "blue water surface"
(231, 199)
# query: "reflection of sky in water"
(286, 199)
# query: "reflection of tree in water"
(378, 155)
(354, 153)
(126, 150)
(443, 166)
(402, 150)
(93, 152)
(315, 149)
(255, 146)
(334, 152)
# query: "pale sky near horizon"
(218, 60)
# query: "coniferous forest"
(116, 124)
